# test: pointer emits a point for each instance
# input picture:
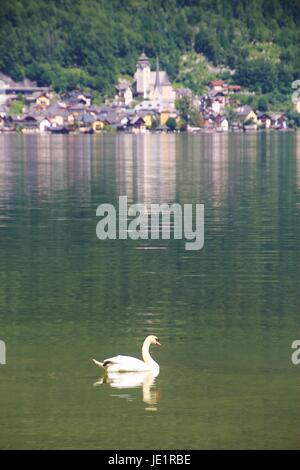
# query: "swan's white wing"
(127, 379)
(124, 363)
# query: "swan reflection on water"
(127, 380)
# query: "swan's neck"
(146, 355)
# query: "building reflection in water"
(218, 155)
(9, 157)
(146, 168)
(40, 166)
(297, 154)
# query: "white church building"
(153, 86)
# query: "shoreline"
(151, 132)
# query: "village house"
(279, 121)
(2, 120)
(124, 93)
(107, 114)
(233, 89)
(219, 96)
(137, 125)
(111, 117)
(76, 98)
(43, 101)
(215, 103)
(165, 115)
(246, 114)
(98, 125)
(3, 90)
(56, 115)
(44, 125)
(84, 98)
(216, 85)
(28, 124)
(73, 116)
(207, 120)
(3, 110)
(216, 106)
(39, 100)
(205, 103)
(84, 123)
(221, 123)
(264, 120)
(220, 86)
(122, 124)
(147, 116)
(6, 122)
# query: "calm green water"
(226, 315)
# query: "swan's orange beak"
(158, 342)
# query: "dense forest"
(90, 43)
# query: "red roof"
(216, 83)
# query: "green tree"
(262, 104)
(231, 114)
(16, 106)
(171, 123)
(183, 106)
(257, 75)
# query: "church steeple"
(142, 75)
(143, 61)
(157, 78)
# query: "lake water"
(226, 315)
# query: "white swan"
(131, 364)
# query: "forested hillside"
(89, 43)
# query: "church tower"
(142, 75)
(157, 87)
